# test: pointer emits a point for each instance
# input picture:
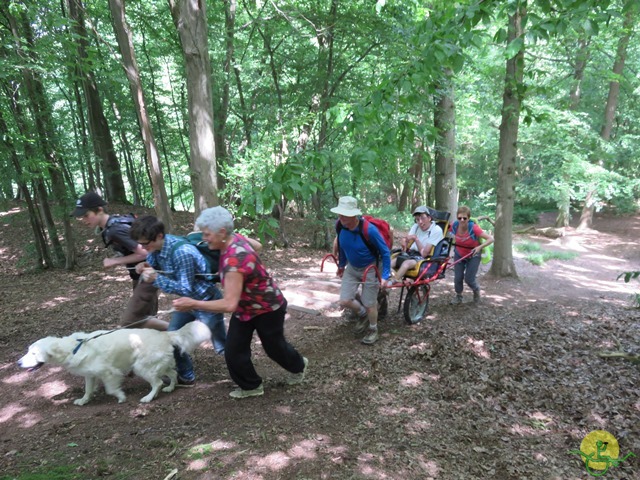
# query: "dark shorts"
(143, 302)
(403, 257)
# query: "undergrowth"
(535, 254)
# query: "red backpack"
(383, 227)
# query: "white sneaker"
(371, 337)
(240, 393)
(297, 378)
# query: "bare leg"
(155, 323)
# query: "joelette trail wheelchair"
(417, 281)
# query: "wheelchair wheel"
(416, 304)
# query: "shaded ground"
(501, 390)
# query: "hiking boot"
(476, 296)
(361, 325)
(240, 393)
(457, 300)
(296, 378)
(371, 337)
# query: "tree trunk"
(586, 218)
(222, 107)
(444, 120)
(125, 43)
(156, 114)
(41, 113)
(43, 258)
(582, 57)
(503, 265)
(98, 126)
(190, 18)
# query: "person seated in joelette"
(422, 237)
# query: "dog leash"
(162, 272)
(81, 341)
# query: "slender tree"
(98, 126)
(190, 18)
(446, 189)
(503, 265)
(631, 8)
(125, 43)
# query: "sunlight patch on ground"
(392, 412)
(55, 302)
(52, 389)
(307, 449)
(199, 454)
(430, 467)
(589, 283)
(525, 430)
(9, 411)
(414, 379)
(369, 470)
(418, 427)
(10, 212)
(272, 462)
(596, 419)
(285, 410)
(19, 377)
(541, 420)
(478, 347)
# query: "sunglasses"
(462, 218)
(144, 244)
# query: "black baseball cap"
(87, 201)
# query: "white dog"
(110, 355)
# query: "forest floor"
(504, 389)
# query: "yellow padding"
(415, 271)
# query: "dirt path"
(501, 390)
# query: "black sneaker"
(184, 383)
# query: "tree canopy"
(398, 103)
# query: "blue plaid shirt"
(181, 268)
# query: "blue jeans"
(215, 322)
(466, 271)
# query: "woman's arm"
(255, 244)
(489, 240)
(233, 282)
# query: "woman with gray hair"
(255, 301)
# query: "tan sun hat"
(347, 207)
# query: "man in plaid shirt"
(179, 270)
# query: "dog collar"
(80, 342)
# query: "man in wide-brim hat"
(354, 256)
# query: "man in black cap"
(143, 304)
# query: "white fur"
(109, 356)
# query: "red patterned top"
(260, 294)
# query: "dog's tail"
(190, 336)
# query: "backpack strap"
(364, 233)
(363, 230)
(114, 219)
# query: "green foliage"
(49, 472)
(527, 214)
(628, 276)
(309, 119)
(536, 255)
